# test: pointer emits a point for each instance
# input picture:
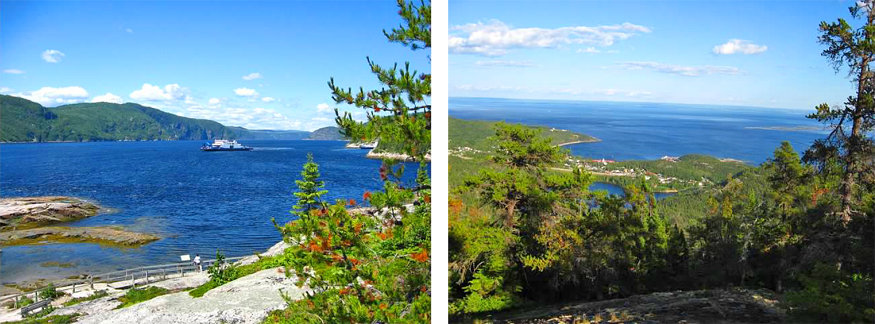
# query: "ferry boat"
(225, 145)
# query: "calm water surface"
(196, 201)
(646, 131)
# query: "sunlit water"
(196, 201)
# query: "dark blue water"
(196, 201)
(637, 131)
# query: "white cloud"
(5, 90)
(734, 46)
(505, 63)
(679, 69)
(155, 93)
(13, 71)
(251, 118)
(52, 56)
(214, 101)
(49, 96)
(252, 76)
(108, 97)
(496, 38)
(268, 99)
(129, 31)
(246, 92)
(591, 50)
(324, 107)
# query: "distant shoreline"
(594, 140)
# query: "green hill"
(474, 134)
(329, 133)
(22, 120)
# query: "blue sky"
(261, 65)
(748, 53)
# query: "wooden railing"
(125, 278)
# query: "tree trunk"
(847, 188)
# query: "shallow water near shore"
(196, 201)
(648, 131)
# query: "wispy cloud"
(323, 108)
(735, 46)
(691, 71)
(505, 63)
(496, 38)
(252, 76)
(50, 96)
(52, 56)
(268, 99)
(13, 71)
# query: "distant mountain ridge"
(330, 133)
(22, 120)
(263, 134)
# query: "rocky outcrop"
(246, 300)
(59, 234)
(29, 212)
(700, 306)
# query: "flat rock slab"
(53, 234)
(245, 300)
(31, 211)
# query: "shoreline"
(594, 140)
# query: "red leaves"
(383, 172)
(351, 202)
(421, 256)
(366, 196)
(385, 235)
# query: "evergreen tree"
(848, 142)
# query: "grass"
(137, 295)
(98, 294)
(238, 272)
(54, 319)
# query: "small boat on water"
(368, 146)
(224, 145)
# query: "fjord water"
(647, 131)
(196, 201)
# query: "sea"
(197, 202)
(648, 131)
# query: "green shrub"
(50, 292)
(831, 296)
(136, 295)
(24, 301)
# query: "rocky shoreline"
(112, 236)
(29, 212)
(26, 220)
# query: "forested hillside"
(22, 120)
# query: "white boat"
(224, 145)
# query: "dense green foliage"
(329, 133)
(139, 295)
(370, 267)
(26, 121)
